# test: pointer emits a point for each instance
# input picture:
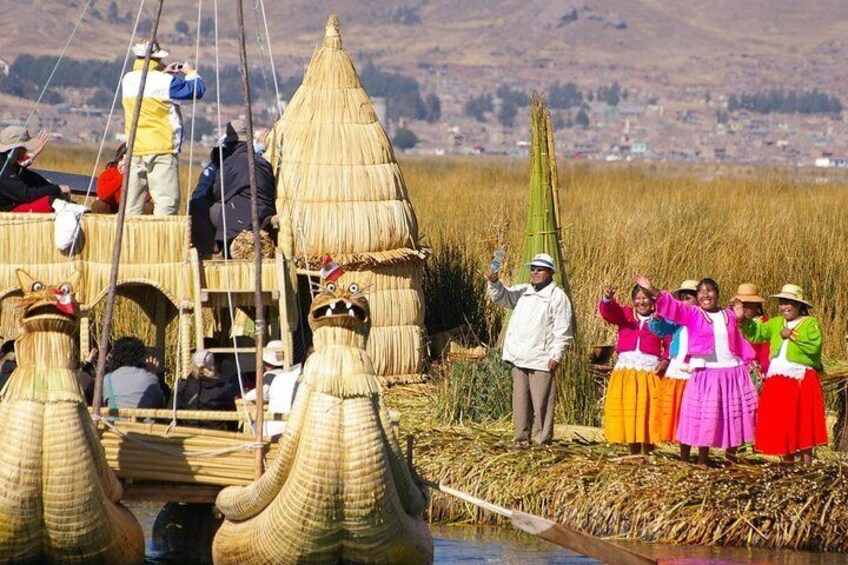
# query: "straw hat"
(140, 50)
(792, 292)
(688, 285)
(272, 354)
(16, 136)
(542, 260)
(749, 292)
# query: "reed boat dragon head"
(42, 302)
(337, 305)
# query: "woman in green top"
(791, 415)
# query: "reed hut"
(339, 183)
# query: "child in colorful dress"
(673, 383)
(791, 417)
(719, 404)
(632, 388)
(752, 304)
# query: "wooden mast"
(106, 327)
(257, 244)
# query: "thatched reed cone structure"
(339, 182)
(59, 500)
(339, 490)
(542, 232)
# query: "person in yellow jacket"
(154, 161)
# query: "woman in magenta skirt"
(719, 405)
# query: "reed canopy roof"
(337, 176)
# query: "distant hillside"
(685, 41)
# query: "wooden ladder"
(281, 294)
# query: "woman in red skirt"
(791, 417)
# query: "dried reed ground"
(597, 489)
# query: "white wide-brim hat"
(140, 50)
(542, 260)
(792, 292)
(272, 353)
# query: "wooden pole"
(106, 327)
(555, 533)
(257, 243)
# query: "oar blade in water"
(577, 541)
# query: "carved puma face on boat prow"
(43, 302)
(340, 306)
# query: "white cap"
(542, 260)
(272, 353)
(203, 359)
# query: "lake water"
(476, 545)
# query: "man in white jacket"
(537, 334)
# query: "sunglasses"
(536, 269)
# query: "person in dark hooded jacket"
(233, 216)
(204, 389)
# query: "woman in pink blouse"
(719, 404)
(631, 393)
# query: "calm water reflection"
(470, 545)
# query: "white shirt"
(780, 365)
(722, 357)
(279, 395)
(678, 368)
(540, 326)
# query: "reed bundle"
(542, 229)
(340, 185)
(153, 452)
(598, 489)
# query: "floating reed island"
(600, 490)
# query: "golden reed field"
(767, 226)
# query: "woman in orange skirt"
(791, 417)
(673, 381)
(632, 390)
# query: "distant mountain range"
(675, 43)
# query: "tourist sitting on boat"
(673, 381)
(230, 214)
(201, 203)
(630, 400)
(719, 404)
(22, 190)
(279, 386)
(154, 164)
(8, 361)
(130, 384)
(538, 332)
(791, 415)
(86, 375)
(205, 389)
(109, 185)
